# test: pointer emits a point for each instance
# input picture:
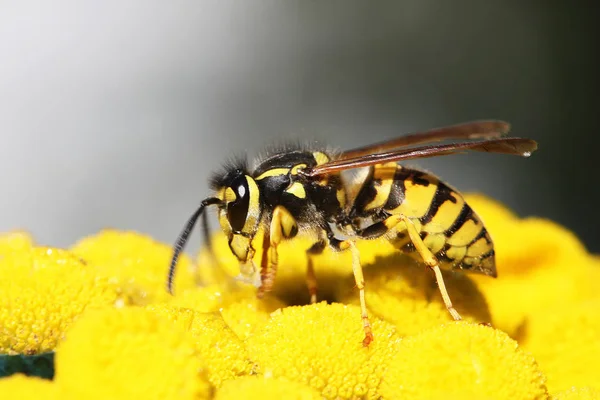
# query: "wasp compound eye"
(237, 209)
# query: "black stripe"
(442, 194)
(366, 193)
(488, 254)
(465, 214)
(482, 233)
(397, 190)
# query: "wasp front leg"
(311, 278)
(283, 226)
(404, 223)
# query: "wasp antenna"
(183, 238)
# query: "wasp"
(308, 190)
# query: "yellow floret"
(237, 303)
(130, 353)
(135, 263)
(321, 345)
(565, 341)
(42, 291)
(15, 241)
(578, 393)
(260, 388)
(222, 351)
(462, 360)
(404, 293)
(21, 387)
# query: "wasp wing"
(485, 129)
(514, 146)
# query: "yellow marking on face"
(220, 194)
(240, 246)
(297, 189)
(466, 233)
(224, 222)
(435, 242)
(229, 195)
(456, 253)
(417, 199)
(283, 225)
(340, 195)
(445, 216)
(273, 172)
(479, 248)
(385, 174)
(320, 158)
(253, 206)
(295, 168)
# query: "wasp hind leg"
(430, 260)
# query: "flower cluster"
(102, 307)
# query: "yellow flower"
(578, 393)
(130, 353)
(321, 345)
(404, 293)
(462, 360)
(237, 303)
(222, 351)
(260, 388)
(21, 387)
(540, 264)
(42, 291)
(565, 341)
(15, 241)
(135, 263)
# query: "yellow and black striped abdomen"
(447, 224)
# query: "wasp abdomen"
(446, 223)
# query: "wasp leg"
(311, 278)
(430, 260)
(342, 245)
(283, 226)
(432, 263)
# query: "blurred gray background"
(113, 114)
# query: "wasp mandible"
(305, 190)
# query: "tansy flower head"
(540, 264)
(15, 241)
(130, 353)
(565, 341)
(221, 350)
(237, 303)
(405, 293)
(462, 360)
(321, 345)
(21, 387)
(42, 291)
(260, 388)
(135, 263)
(578, 393)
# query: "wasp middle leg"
(311, 279)
(401, 221)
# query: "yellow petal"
(15, 241)
(260, 388)
(462, 360)
(42, 291)
(321, 346)
(130, 353)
